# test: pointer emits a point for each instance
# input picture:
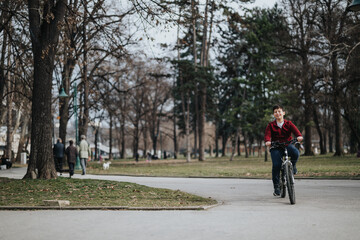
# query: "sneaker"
(276, 192)
(295, 170)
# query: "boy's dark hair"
(71, 142)
(277, 107)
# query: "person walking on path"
(84, 153)
(72, 154)
(58, 151)
(148, 157)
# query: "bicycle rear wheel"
(290, 181)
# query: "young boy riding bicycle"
(281, 130)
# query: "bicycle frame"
(286, 172)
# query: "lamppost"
(354, 6)
(64, 95)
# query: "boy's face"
(279, 114)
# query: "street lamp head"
(354, 6)
(62, 93)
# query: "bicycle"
(286, 173)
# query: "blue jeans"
(276, 155)
(71, 168)
(83, 165)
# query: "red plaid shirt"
(274, 133)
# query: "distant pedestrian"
(148, 157)
(72, 154)
(137, 157)
(84, 153)
(58, 151)
(6, 161)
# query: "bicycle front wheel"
(282, 184)
(290, 181)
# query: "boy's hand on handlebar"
(300, 139)
(268, 144)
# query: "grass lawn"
(325, 166)
(86, 192)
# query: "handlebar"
(278, 144)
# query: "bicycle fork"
(283, 172)
(287, 161)
(286, 158)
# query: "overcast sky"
(264, 3)
(152, 47)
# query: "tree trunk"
(234, 142)
(239, 146)
(202, 85)
(202, 122)
(44, 38)
(224, 141)
(331, 143)
(111, 137)
(4, 14)
(217, 140)
(338, 128)
(41, 144)
(136, 138)
(9, 104)
(325, 142)
(122, 131)
(196, 122)
(175, 134)
(96, 157)
(144, 131)
(245, 145)
(154, 140)
(158, 133)
(196, 102)
(336, 107)
(185, 104)
(64, 118)
(187, 130)
(318, 128)
(308, 113)
(354, 133)
(259, 149)
(2, 73)
(86, 86)
(122, 121)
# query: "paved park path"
(325, 209)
